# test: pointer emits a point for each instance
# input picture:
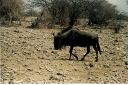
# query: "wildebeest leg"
(88, 50)
(71, 49)
(95, 48)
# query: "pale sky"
(121, 5)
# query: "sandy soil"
(28, 56)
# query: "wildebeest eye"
(58, 34)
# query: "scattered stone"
(126, 63)
(40, 57)
(20, 37)
(126, 67)
(26, 53)
(24, 42)
(25, 65)
(106, 66)
(53, 52)
(45, 51)
(29, 69)
(40, 67)
(1, 64)
(111, 53)
(53, 78)
(11, 81)
(116, 40)
(89, 78)
(75, 70)
(91, 65)
(59, 74)
(16, 31)
(38, 49)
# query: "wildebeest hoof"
(76, 58)
(96, 60)
(69, 59)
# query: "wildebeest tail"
(98, 46)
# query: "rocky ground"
(28, 56)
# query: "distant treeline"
(98, 12)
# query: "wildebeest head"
(57, 41)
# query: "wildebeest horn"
(53, 34)
(58, 33)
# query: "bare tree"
(127, 1)
(99, 11)
(10, 8)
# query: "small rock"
(106, 66)
(126, 67)
(16, 31)
(91, 65)
(24, 42)
(11, 81)
(86, 63)
(40, 57)
(89, 78)
(53, 78)
(38, 49)
(26, 53)
(111, 53)
(20, 37)
(59, 74)
(25, 65)
(1, 65)
(118, 48)
(29, 69)
(45, 51)
(75, 70)
(40, 67)
(126, 63)
(116, 40)
(53, 52)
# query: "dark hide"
(74, 38)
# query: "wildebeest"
(75, 38)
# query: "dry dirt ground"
(27, 56)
